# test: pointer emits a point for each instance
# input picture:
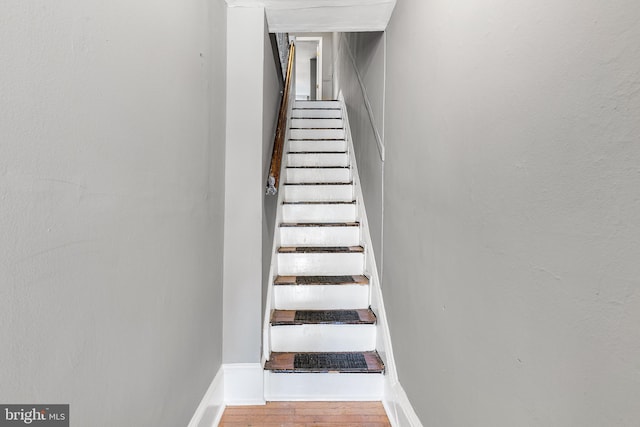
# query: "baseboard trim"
(243, 384)
(398, 407)
(211, 407)
(234, 384)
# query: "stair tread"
(317, 108)
(316, 152)
(338, 202)
(323, 317)
(318, 183)
(317, 167)
(321, 249)
(339, 362)
(320, 224)
(320, 139)
(321, 280)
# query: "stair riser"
(328, 114)
(316, 134)
(316, 123)
(297, 175)
(316, 104)
(318, 159)
(323, 338)
(319, 213)
(319, 236)
(324, 193)
(327, 386)
(338, 264)
(321, 297)
(301, 146)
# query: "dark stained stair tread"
(316, 108)
(353, 202)
(321, 280)
(317, 167)
(319, 183)
(320, 224)
(321, 249)
(320, 317)
(347, 362)
(316, 152)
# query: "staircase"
(321, 333)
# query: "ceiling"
(285, 16)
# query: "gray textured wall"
(512, 214)
(359, 65)
(111, 179)
(270, 107)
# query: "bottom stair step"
(323, 376)
(365, 362)
(323, 387)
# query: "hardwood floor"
(318, 414)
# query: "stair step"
(319, 234)
(322, 280)
(318, 158)
(319, 211)
(317, 104)
(308, 174)
(320, 224)
(365, 362)
(323, 317)
(323, 330)
(321, 249)
(311, 134)
(323, 387)
(320, 145)
(321, 292)
(326, 113)
(311, 260)
(315, 192)
(316, 123)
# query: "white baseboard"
(398, 408)
(243, 384)
(212, 405)
(234, 384)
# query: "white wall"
(245, 186)
(305, 50)
(302, 70)
(511, 207)
(271, 96)
(111, 161)
(253, 96)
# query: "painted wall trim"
(234, 384)
(243, 384)
(367, 103)
(398, 407)
(395, 400)
(209, 411)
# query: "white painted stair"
(320, 332)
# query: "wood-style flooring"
(317, 414)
